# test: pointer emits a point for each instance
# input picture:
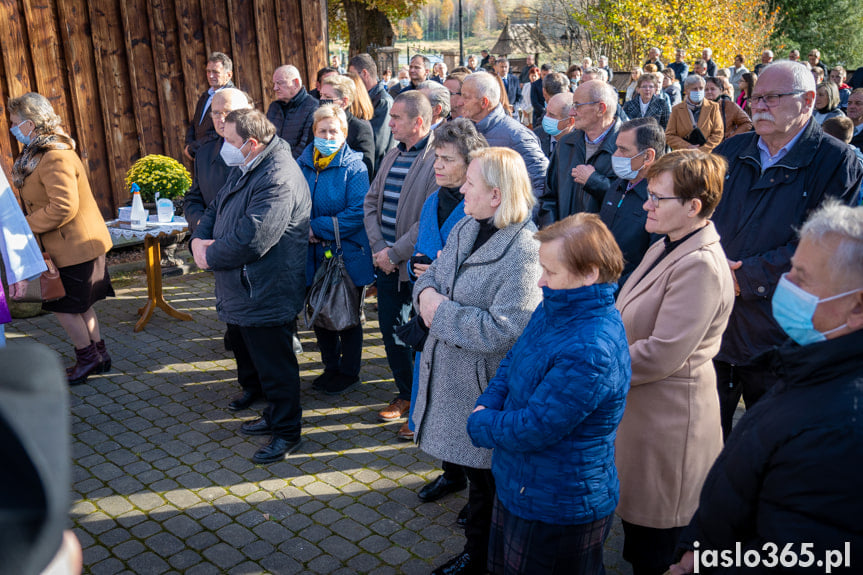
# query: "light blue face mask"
(793, 308)
(550, 126)
(622, 166)
(19, 135)
(696, 96)
(327, 147)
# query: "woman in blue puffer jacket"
(551, 411)
(338, 182)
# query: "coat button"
(761, 289)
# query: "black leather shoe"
(244, 401)
(322, 381)
(340, 384)
(256, 427)
(462, 515)
(439, 487)
(276, 450)
(461, 564)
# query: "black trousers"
(341, 351)
(732, 381)
(480, 501)
(266, 364)
(649, 550)
(453, 471)
(395, 308)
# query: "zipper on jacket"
(247, 281)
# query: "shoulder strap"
(336, 231)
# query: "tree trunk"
(366, 26)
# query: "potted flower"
(156, 173)
(166, 176)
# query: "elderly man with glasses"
(777, 175)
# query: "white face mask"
(232, 155)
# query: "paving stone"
(147, 563)
(223, 555)
(165, 544)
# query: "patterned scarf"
(27, 161)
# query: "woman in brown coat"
(695, 123)
(62, 212)
(734, 120)
(675, 306)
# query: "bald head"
(287, 82)
(558, 105)
(224, 102)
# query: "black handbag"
(333, 302)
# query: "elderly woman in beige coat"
(675, 306)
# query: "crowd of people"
(573, 293)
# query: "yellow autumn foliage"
(625, 29)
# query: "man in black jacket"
(255, 238)
(510, 82)
(364, 66)
(291, 113)
(777, 174)
(855, 112)
(580, 172)
(210, 172)
(640, 143)
(787, 484)
(220, 70)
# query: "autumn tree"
(368, 22)
(625, 29)
(835, 27)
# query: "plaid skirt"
(520, 546)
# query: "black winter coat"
(563, 196)
(211, 173)
(757, 218)
(293, 120)
(361, 139)
(384, 141)
(792, 468)
(260, 224)
(625, 217)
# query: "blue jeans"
(395, 308)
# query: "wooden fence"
(124, 75)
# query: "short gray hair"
(838, 219)
(222, 59)
(36, 108)
(438, 95)
(691, 80)
(291, 72)
(801, 77)
(599, 91)
(252, 123)
(486, 86)
(555, 83)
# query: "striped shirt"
(393, 188)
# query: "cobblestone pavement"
(163, 482)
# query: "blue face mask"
(696, 96)
(16, 131)
(623, 166)
(327, 147)
(793, 308)
(550, 126)
(404, 82)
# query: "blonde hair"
(36, 108)
(328, 111)
(343, 87)
(362, 105)
(505, 170)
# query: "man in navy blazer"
(510, 82)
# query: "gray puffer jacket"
(492, 294)
(260, 224)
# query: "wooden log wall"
(124, 75)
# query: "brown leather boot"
(105, 367)
(88, 362)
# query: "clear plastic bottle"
(139, 214)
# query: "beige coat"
(62, 211)
(680, 125)
(670, 433)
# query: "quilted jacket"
(553, 407)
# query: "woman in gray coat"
(476, 299)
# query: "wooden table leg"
(155, 298)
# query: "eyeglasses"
(771, 100)
(575, 106)
(219, 115)
(654, 199)
(455, 93)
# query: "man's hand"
(420, 269)
(382, 261)
(734, 267)
(312, 238)
(685, 566)
(187, 154)
(18, 289)
(429, 301)
(582, 173)
(199, 252)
